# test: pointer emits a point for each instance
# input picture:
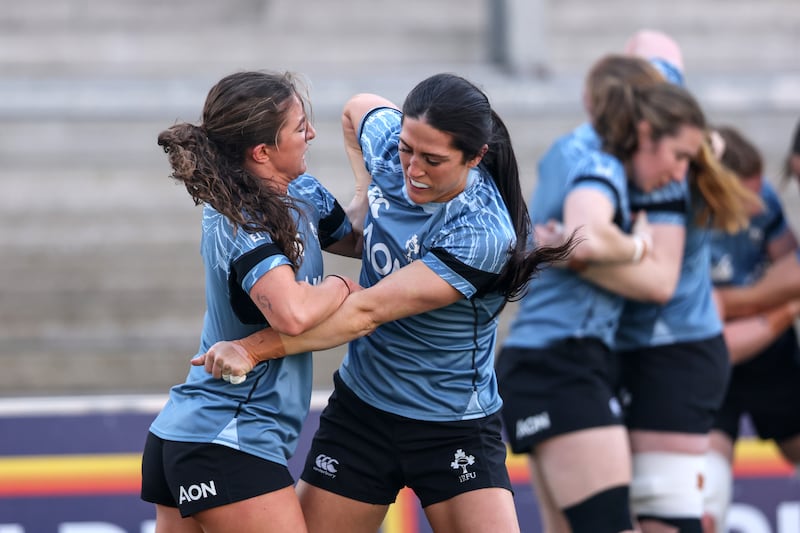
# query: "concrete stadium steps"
(101, 286)
(184, 36)
(716, 35)
(94, 134)
(101, 282)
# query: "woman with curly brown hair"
(216, 455)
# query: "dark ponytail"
(457, 107)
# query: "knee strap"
(682, 525)
(718, 487)
(667, 484)
(603, 512)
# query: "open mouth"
(418, 185)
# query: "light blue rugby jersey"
(740, 259)
(560, 304)
(690, 315)
(439, 365)
(264, 415)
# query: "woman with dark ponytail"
(446, 245)
(216, 456)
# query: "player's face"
(656, 163)
(434, 171)
(288, 156)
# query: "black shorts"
(368, 455)
(767, 388)
(195, 476)
(675, 388)
(567, 387)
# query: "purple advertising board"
(72, 465)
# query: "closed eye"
(427, 158)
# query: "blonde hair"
(726, 201)
(621, 91)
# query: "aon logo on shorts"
(192, 493)
(532, 425)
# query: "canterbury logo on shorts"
(326, 465)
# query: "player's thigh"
(552, 518)
(721, 443)
(328, 512)
(572, 468)
(169, 520)
(477, 511)
(274, 512)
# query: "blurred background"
(101, 285)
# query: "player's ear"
(259, 153)
(472, 163)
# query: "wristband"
(347, 285)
